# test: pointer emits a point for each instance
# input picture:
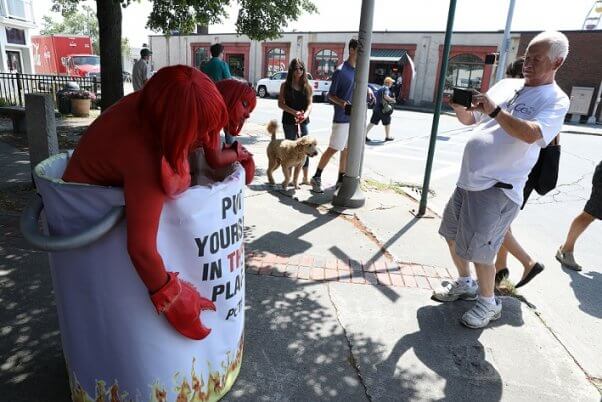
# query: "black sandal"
(501, 275)
(536, 270)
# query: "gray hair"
(559, 44)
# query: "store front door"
(236, 61)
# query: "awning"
(390, 55)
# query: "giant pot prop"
(113, 340)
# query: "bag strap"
(556, 140)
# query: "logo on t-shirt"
(524, 109)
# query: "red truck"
(65, 55)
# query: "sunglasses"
(299, 69)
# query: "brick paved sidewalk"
(381, 272)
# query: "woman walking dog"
(295, 100)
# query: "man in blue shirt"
(216, 68)
(340, 94)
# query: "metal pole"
(501, 65)
(435, 126)
(594, 118)
(350, 194)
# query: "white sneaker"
(482, 313)
(456, 290)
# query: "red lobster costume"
(142, 143)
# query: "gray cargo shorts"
(478, 221)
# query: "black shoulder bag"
(544, 175)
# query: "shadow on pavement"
(586, 286)
(451, 351)
(295, 349)
(287, 244)
(32, 367)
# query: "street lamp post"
(438, 100)
(349, 193)
(501, 65)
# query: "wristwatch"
(495, 112)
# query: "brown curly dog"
(288, 154)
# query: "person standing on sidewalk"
(217, 69)
(383, 96)
(591, 212)
(340, 94)
(141, 70)
(515, 119)
(296, 101)
(531, 268)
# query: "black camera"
(462, 97)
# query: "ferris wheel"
(594, 17)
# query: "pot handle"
(29, 229)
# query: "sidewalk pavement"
(338, 308)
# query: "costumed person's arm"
(178, 300)
(218, 158)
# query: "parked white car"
(266, 87)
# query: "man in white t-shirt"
(141, 70)
(514, 119)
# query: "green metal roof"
(391, 55)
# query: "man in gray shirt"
(141, 71)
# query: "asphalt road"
(570, 303)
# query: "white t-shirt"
(140, 74)
(492, 156)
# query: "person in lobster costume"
(143, 143)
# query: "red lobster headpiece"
(240, 100)
(185, 109)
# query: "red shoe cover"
(182, 304)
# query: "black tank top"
(296, 100)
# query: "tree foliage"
(74, 22)
(264, 19)
(258, 19)
(77, 22)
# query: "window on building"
(464, 71)
(200, 56)
(15, 36)
(325, 62)
(275, 60)
(20, 9)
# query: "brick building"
(583, 67)
(415, 56)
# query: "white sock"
(465, 280)
(488, 300)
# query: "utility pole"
(350, 194)
(501, 65)
(438, 100)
